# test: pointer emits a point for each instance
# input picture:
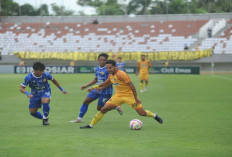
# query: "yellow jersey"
(143, 67)
(120, 80)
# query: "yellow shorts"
(144, 77)
(119, 100)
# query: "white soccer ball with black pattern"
(135, 124)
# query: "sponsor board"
(50, 69)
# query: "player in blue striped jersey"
(40, 91)
(120, 65)
(103, 95)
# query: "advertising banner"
(50, 69)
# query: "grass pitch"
(196, 109)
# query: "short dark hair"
(38, 66)
(119, 57)
(104, 55)
(112, 62)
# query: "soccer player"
(120, 65)
(40, 91)
(125, 93)
(143, 68)
(101, 74)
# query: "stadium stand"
(145, 36)
(118, 34)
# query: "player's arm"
(134, 92)
(101, 86)
(90, 83)
(58, 85)
(23, 90)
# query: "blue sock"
(83, 110)
(46, 109)
(37, 115)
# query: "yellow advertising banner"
(126, 56)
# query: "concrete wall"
(87, 19)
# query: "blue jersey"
(120, 66)
(38, 85)
(102, 75)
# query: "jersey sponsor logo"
(44, 80)
(104, 100)
(48, 93)
(116, 84)
(102, 73)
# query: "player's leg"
(46, 107)
(45, 99)
(141, 85)
(110, 104)
(103, 98)
(139, 108)
(146, 82)
(148, 113)
(34, 112)
(84, 107)
(35, 103)
(46, 110)
(99, 116)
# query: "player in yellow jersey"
(125, 93)
(143, 69)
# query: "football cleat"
(85, 127)
(46, 122)
(119, 109)
(141, 91)
(158, 119)
(144, 89)
(76, 121)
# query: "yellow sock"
(150, 114)
(141, 86)
(96, 118)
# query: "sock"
(46, 109)
(141, 86)
(83, 110)
(96, 118)
(150, 114)
(37, 115)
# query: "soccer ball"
(135, 124)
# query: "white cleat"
(144, 89)
(141, 91)
(119, 109)
(76, 121)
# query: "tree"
(27, 10)
(177, 7)
(158, 7)
(139, 7)
(104, 7)
(42, 10)
(61, 11)
(9, 8)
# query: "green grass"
(196, 109)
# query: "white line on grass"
(221, 77)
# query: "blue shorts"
(36, 100)
(102, 98)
